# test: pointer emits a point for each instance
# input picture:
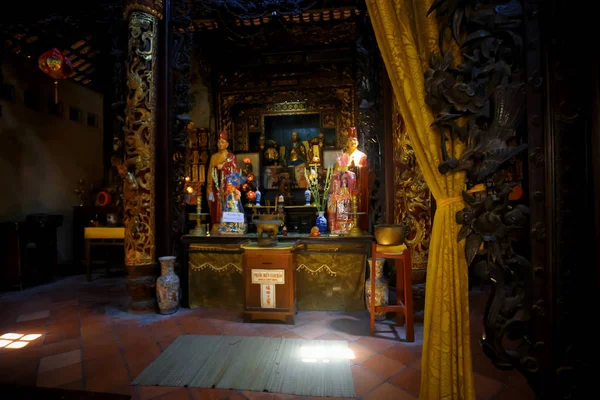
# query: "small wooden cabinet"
(270, 287)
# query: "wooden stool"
(101, 236)
(403, 306)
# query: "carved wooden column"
(139, 169)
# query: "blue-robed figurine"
(258, 196)
(232, 203)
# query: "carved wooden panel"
(412, 198)
(289, 102)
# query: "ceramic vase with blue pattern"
(322, 222)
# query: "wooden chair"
(404, 305)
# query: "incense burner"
(267, 224)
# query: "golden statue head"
(294, 136)
(352, 143)
(222, 143)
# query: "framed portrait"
(254, 162)
(269, 179)
(330, 156)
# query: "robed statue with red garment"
(357, 163)
(223, 164)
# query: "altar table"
(329, 271)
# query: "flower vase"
(167, 286)
(322, 222)
(381, 288)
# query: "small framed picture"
(269, 177)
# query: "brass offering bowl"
(390, 235)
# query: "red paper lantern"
(57, 65)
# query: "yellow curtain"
(406, 38)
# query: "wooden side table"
(404, 305)
(270, 287)
(101, 236)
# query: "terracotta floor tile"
(382, 366)
(77, 385)
(389, 392)
(238, 329)
(269, 330)
(165, 342)
(375, 344)
(485, 387)
(59, 361)
(34, 326)
(135, 354)
(237, 396)
(63, 321)
(179, 394)
(105, 382)
(321, 398)
(93, 351)
(265, 395)
(152, 392)
(210, 394)
(135, 339)
(198, 326)
(289, 335)
(408, 379)
(103, 365)
(406, 354)
(60, 376)
(33, 315)
(416, 364)
(25, 379)
(331, 336)
(137, 368)
(311, 331)
(65, 326)
(95, 329)
(57, 337)
(60, 347)
(483, 365)
(361, 353)
(123, 389)
(100, 339)
(364, 381)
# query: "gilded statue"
(271, 155)
(300, 150)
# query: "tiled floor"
(89, 343)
